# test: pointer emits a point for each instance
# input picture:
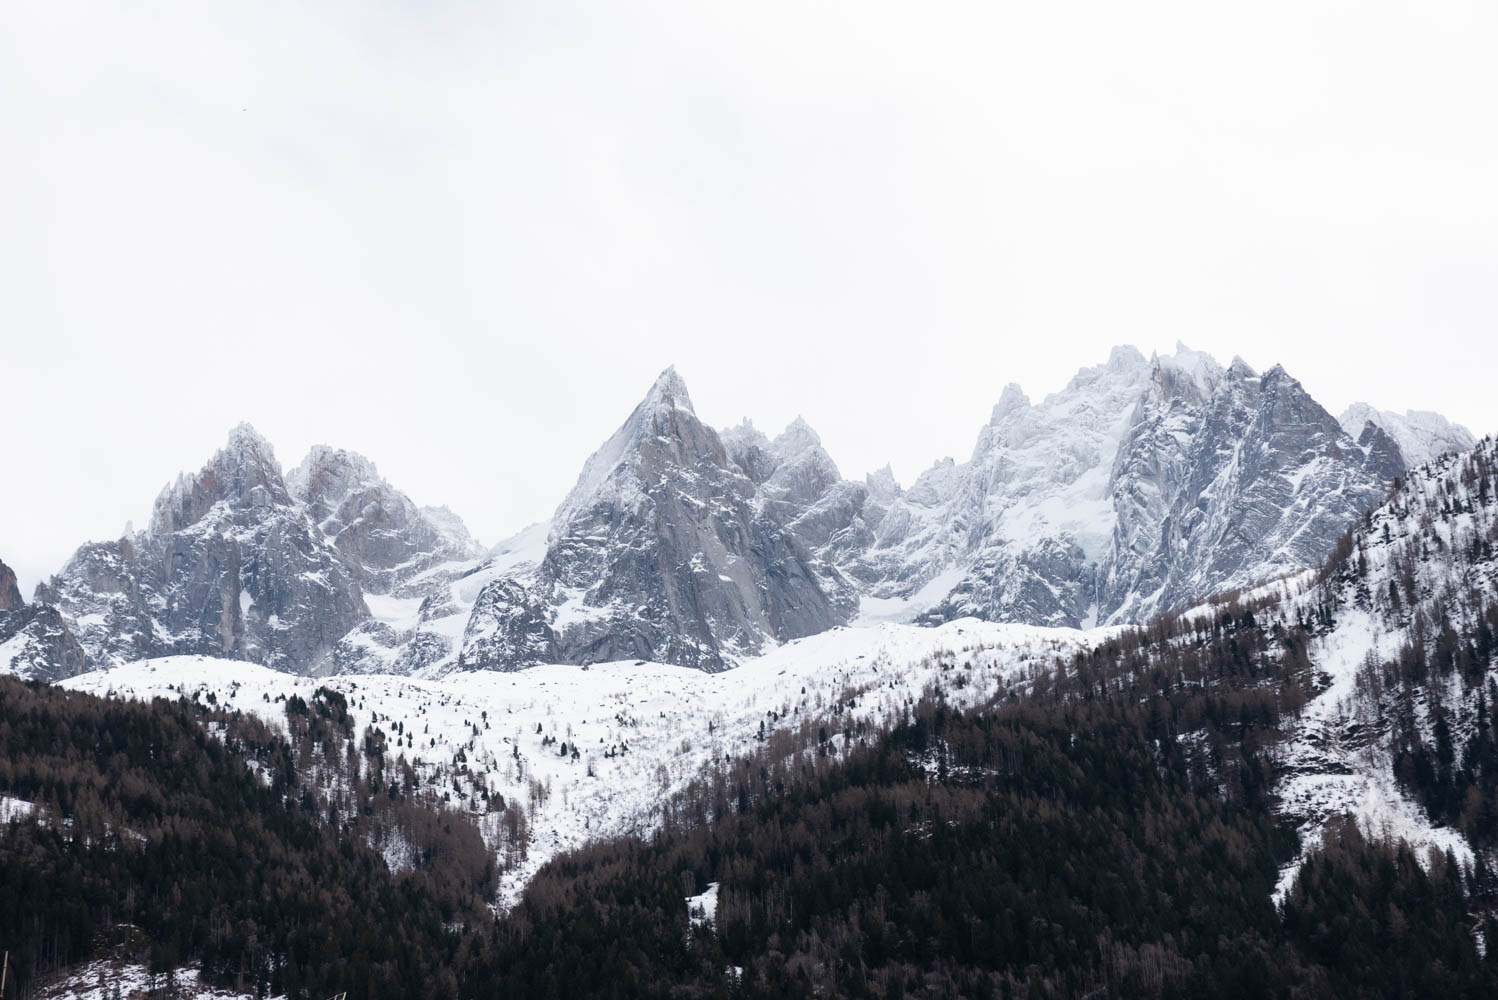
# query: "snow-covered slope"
(1414, 603)
(1141, 486)
(1398, 629)
(1420, 434)
(639, 730)
(382, 535)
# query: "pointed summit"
(665, 422)
(1011, 400)
(1240, 368)
(796, 438)
(383, 537)
(244, 473)
(669, 390)
(330, 471)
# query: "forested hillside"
(204, 831)
(1110, 834)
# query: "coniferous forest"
(1066, 843)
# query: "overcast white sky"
(464, 237)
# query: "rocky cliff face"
(1224, 480)
(1419, 435)
(382, 536)
(1144, 484)
(10, 591)
(35, 642)
(230, 566)
(661, 551)
(241, 562)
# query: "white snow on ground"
(397, 612)
(902, 610)
(10, 655)
(96, 981)
(522, 550)
(674, 721)
(1328, 772)
(703, 907)
(15, 808)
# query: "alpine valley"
(1177, 685)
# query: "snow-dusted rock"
(1144, 484)
(381, 534)
(230, 566)
(660, 551)
(1419, 434)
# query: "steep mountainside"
(1405, 617)
(1421, 436)
(380, 533)
(1144, 484)
(660, 552)
(35, 642)
(235, 564)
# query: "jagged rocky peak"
(244, 474)
(750, 451)
(804, 471)
(662, 430)
(230, 566)
(793, 468)
(663, 550)
(1255, 480)
(35, 641)
(797, 438)
(882, 484)
(1191, 375)
(1420, 435)
(10, 590)
(383, 536)
(328, 475)
(1011, 401)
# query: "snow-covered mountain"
(35, 642)
(381, 534)
(1141, 486)
(661, 552)
(234, 564)
(1421, 436)
(1144, 484)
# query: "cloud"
(463, 238)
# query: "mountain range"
(1142, 486)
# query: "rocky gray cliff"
(1225, 479)
(231, 565)
(1143, 485)
(1140, 487)
(1419, 435)
(383, 537)
(661, 551)
(35, 642)
(240, 561)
